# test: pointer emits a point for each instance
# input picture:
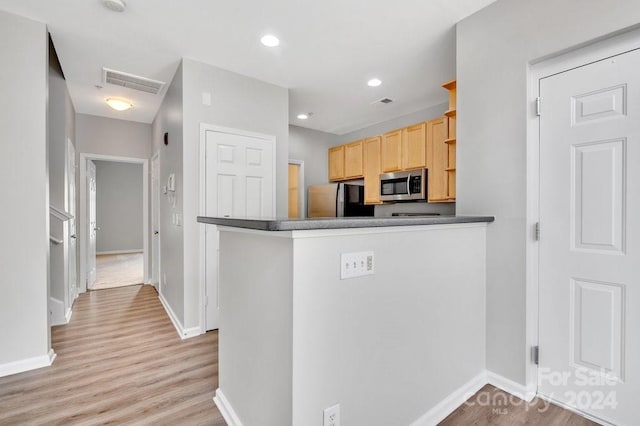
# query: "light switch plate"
(356, 264)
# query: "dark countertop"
(277, 224)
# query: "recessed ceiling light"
(115, 5)
(118, 104)
(374, 82)
(303, 116)
(270, 40)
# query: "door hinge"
(535, 355)
(538, 102)
(537, 231)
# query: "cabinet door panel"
(413, 147)
(353, 159)
(372, 170)
(392, 151)
(436, 135)
(336, 163)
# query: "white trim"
(120, 252)
(158, 270)
(67, 316)
(226, 409)
(28, 364)
(575, 410)
(302, 203)
(184, 333)
(204, 128)
(511, 387)
(56, 312)
(594, 51)
(452, 402)
(81, 225)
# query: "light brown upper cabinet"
(437, 159)
(336, 163)
(414, 147)
(372, 169)
(346, 161)
(391, 151)
(353, 160)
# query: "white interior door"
(239, 183)
(71, 209)
(155, 221)
(92, 225)
(590, 238)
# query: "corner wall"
(494, 49)
(238, 102)
(24, 336)
(169, 120)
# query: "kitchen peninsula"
(389, 347)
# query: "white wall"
(494, 48)
(25, 200)
(396, 123)
(169, 120)
(296, 339)
(61, 125)
(119, 202)
(238, 102)
(106, 136)
(311, 146)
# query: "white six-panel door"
(590, 238)
(239, 182)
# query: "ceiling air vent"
(131, 81)
(382, 101)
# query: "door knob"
(155, 232)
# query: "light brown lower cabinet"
(372, 170)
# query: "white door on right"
(589, 276)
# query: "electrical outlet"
(332, 416)
(356, 264)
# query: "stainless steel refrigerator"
(337, 200)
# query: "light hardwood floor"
(492, 406)
(118, 270)
(120, 361)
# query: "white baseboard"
(451, 402)
(120, 252)
(509, 386)
(28, 364)
(184, 333)
(226, 409)
(68, 315)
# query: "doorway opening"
(296, 189)
(114, 221)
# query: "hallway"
(118, 270)
(118, 361)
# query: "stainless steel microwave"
(404, 186)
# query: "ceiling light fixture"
(374, 82)
(303, 116)
(115, 5)
(118, 104)
(270, 40)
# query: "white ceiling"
(328, 51)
